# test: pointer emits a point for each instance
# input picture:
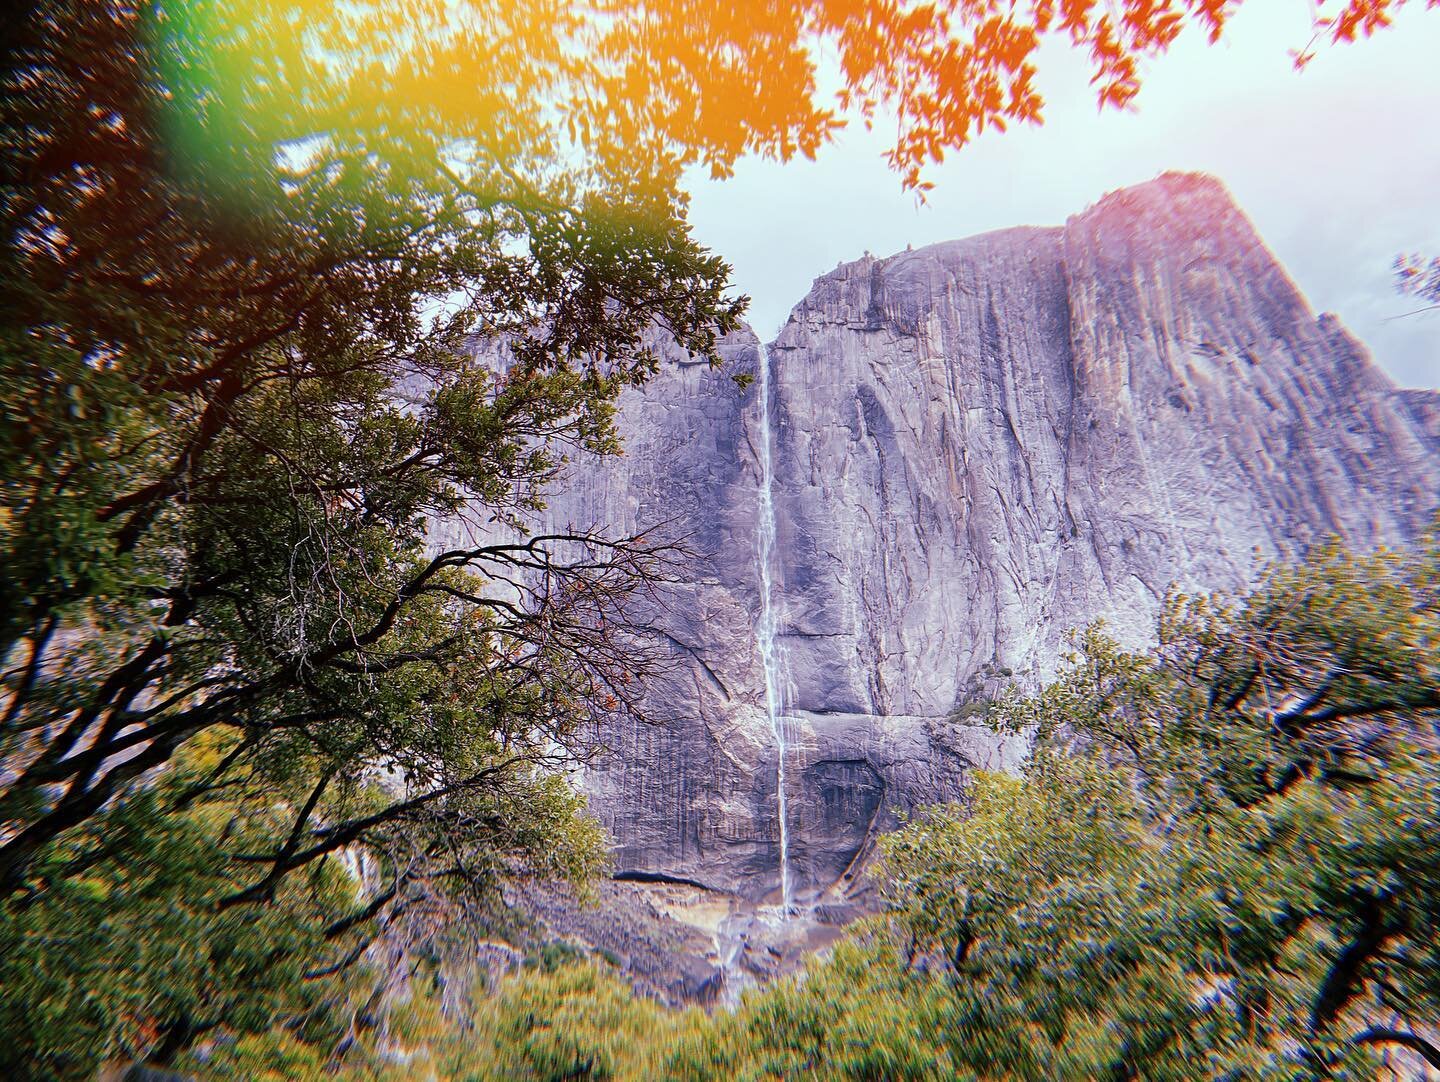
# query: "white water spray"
(767, 628)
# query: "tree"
(1221, 852)
(248, 250)
(128, 955)
(214, 221)
(239, 386)
(1219, 863)
(1417, 277)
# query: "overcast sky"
(1338, 166)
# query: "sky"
(1338, 167)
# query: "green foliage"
(240, 379)
(244, 278)
(1222, 850)
(976, 710)
(571, 1022)
(1220, 862)
(128, 949)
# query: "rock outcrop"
(977, 446)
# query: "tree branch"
(1413, 1041)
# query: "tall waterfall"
(767, 628)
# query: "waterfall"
(767, 628)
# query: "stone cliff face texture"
(976, 446)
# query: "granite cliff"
(973, 447)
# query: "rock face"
(976, 446)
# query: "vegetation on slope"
(1221, 862)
